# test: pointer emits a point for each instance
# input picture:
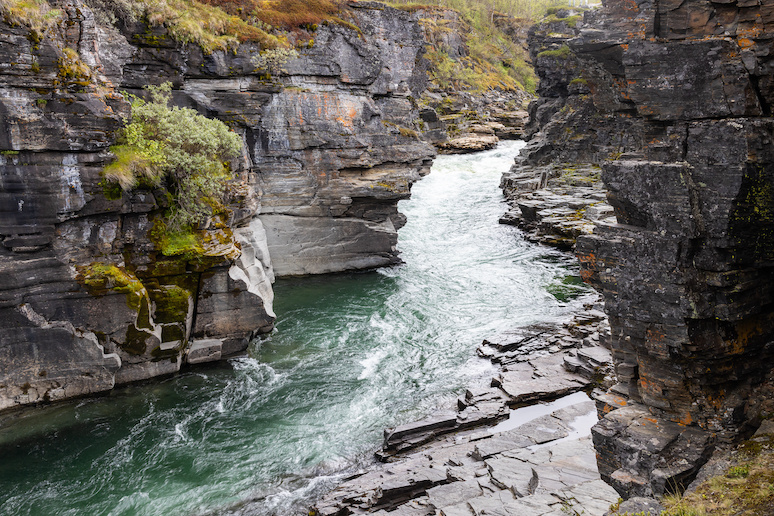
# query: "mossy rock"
(101, 278)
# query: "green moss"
(9, 153)
(73, 71)
(135, 342)
(172, 332)
(101, 278)
(562, 52)
(579, 81)
(172, 303)
(159, 354)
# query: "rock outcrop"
(92, 294)
(673, 99)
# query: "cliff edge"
(673, 99)
(95, 292)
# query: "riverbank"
(352, 354)
(519, 443)
(486, 457)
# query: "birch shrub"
(178, 149)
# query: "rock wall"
(674, 99)
(88, 299)
(337, 150)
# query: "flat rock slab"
(523, 390)
(454, 493)
(470, 143)
(447, 465)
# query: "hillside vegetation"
(492, 57)
(495, 33)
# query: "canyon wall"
(92, 295)
(673, 99)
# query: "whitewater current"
(267, 433)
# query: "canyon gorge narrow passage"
(351, 355)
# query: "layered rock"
(674, 98)
(93, 293)
(337, 150)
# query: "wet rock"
(631, 441)
(680, 142)
(554, 204)
(330, 147)
(470, 143)
(638, 505)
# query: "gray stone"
(205, 350)
(639, 505)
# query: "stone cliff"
(92, 293)
(673, 99)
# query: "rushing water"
(352, 354)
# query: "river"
(352, 354)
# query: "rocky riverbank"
(673, 104)
(483, 457)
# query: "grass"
(35, 14)
(495, 60)
(746, 489)
(562, 52)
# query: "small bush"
(177, 148)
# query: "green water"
(352, 354)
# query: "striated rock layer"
(674, 99)
(88, 300)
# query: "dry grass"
(36, 14)
(746, 489)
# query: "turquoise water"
(353, 353)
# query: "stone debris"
(451, 464)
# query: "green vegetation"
(496, 59)
(99, 278)
(176, 148)
(562, 52)
(36, 14)
(212, 24)
(745, 489)
(73, 71)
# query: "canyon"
(90, 300)
(667, 104)
(673, 100)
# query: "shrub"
(176, 148)
(273, 61)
